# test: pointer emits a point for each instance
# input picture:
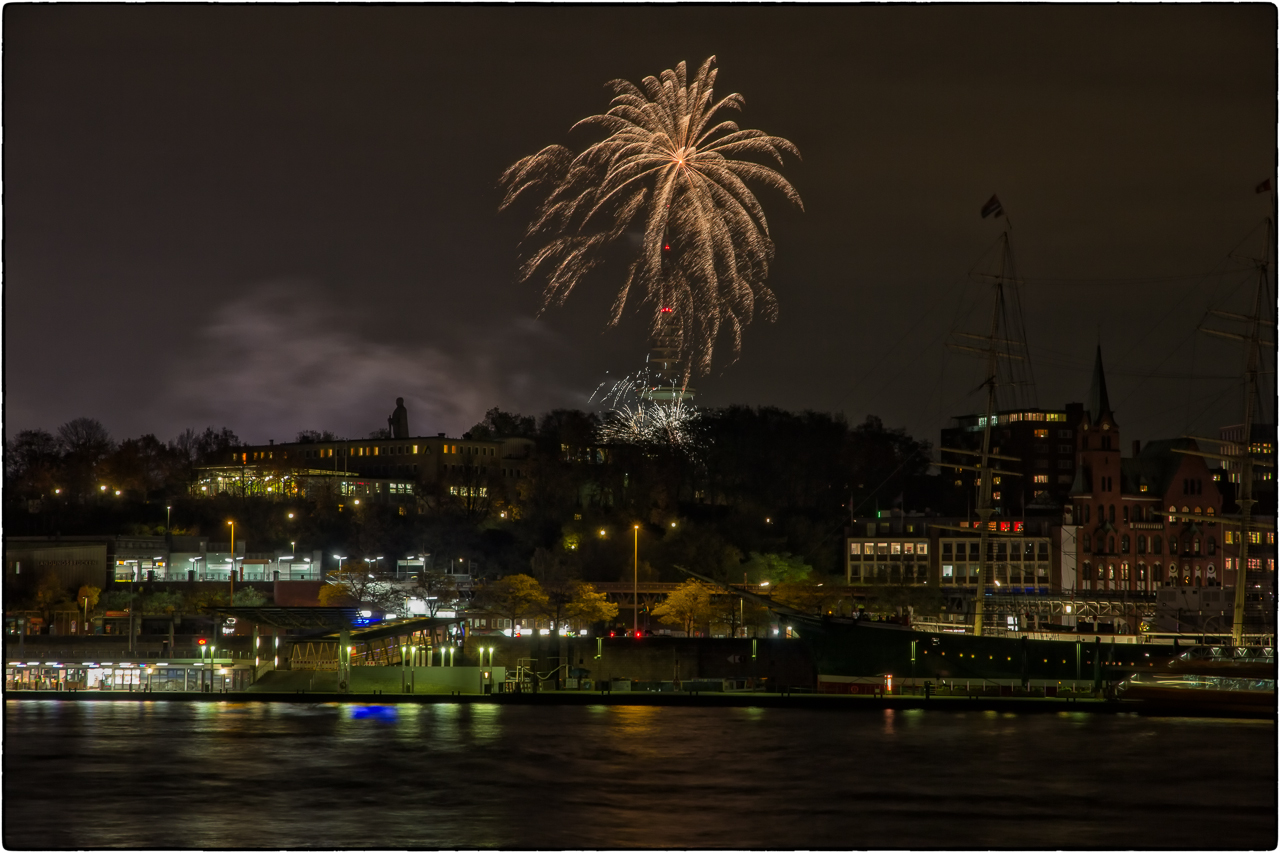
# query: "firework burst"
(671, 167)
(637, 417)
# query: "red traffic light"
(202, 641)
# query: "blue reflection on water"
(381, 713)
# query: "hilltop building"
(388, 470)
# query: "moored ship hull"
(860, 648)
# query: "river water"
(283, 775)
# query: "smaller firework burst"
(637, 416)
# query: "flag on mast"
(1264, 187)
(992, 208)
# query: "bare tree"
(437, 588)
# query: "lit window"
(855, 547)
(922, 547)
(895, 548)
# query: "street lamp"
(232, 578)
(167, 514)
(635, 585)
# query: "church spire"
(1098, 404)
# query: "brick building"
(1122, 508)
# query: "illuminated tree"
(588, 605)
(513, 597)
(687, 605)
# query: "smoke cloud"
(285, 358)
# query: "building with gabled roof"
(1127, 537)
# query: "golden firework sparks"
(670, 166)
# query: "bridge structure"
(1088, 605)
(1082, 604)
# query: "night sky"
(280, 218)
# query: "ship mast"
(997, 348)
(1241, 452)
(1245, 493)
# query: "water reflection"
(486, 724)
(376, 713)
(398, 776)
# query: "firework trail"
(671, 167)
(635, 416)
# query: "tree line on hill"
(760, 484)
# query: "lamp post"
(202, 648)
(232, 577)
(167, 515)
(635, 585)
